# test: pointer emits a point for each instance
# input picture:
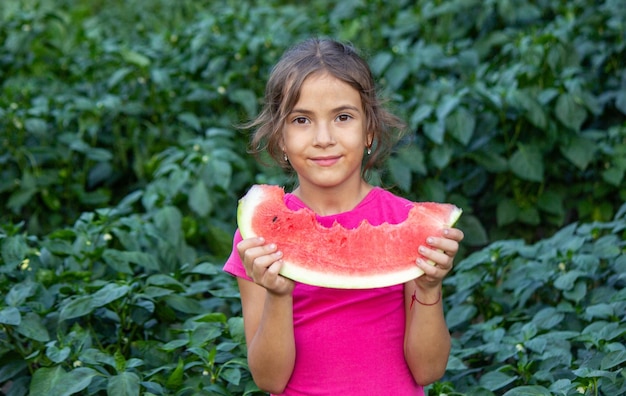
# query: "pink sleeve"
(233, 265)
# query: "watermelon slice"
(364, 257)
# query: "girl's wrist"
(422, 301)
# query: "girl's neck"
(334, 200)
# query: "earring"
(369, 150)
(285, 157)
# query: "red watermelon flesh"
(364, 257)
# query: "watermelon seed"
(274, 219)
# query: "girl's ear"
(369, 139)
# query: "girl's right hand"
(262, 263)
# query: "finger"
(438, 258)
(449, 246)
(432, 270)
(261, 258)
(454, 234)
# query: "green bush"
(516, 109)
(541, 319)
(119, 304)
(121, 164)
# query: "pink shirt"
(348, 342)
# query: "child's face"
(324, 136)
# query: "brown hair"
(283, 90)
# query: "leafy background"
(121, 164)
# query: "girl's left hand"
(441, 251)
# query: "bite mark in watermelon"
(364, 257)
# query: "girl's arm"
(268, 316)
(427, 339)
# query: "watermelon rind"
(258, 194)
(245, 210)
(322, 279)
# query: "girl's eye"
(343, 117)
(300, 120)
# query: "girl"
(323, 120)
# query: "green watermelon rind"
(257, 194)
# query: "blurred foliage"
(121, 163)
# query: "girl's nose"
(323, 135)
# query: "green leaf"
(548, 318)
(20, 293)
(32, 327)
(569, 112)
(578, 293)
(118, 76)
(57, 355)
(109, 293)
(507, 212)
(166, 281)
(460, 314)
(420, 114)
(175, 344)
(236, 329)
(231, 375)
(124, 384)
(490, 160)
(532, 109)
(10, 369)
(440, 156)
(397, 73)
(587, 372)
(400, 173)
(461, 124)
(10, 316)
(613, 359)
(527, 163)
(620, 101)
(79, 306)
(413, 158)
(13, 251)
(529, 215)
(435, 131)
(551, 202)
(135, 58)
(448, 104)
(191, 120)
(247, 99)
(218, 173)
(567, 280)
(175, 379)
(601, 311)
(528, 390)
(205, 333)
(496, 380)
(380, 62)
(36, 126)
(199, 199)
(607, 247)
(120, 361)
(184, 304)
(580, 151)
(54, 381)
(475, 233)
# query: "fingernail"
(429, 240)
(422, 249)
(446, 231)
